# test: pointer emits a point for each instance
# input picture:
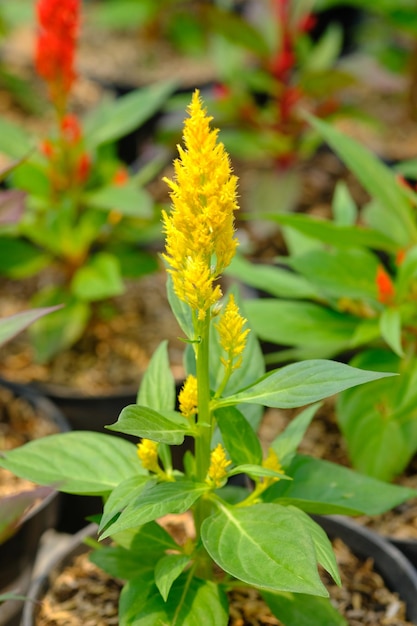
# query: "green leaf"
(390, 326)
(379, 421)
(76, 462)
(302, 383)
(167, 570)
(274, 280)
(325, 488)
(113, 120)
(332, 233)
(157, 387)
(14, 324)
(141, 421)
(14, 141)
(156, 500)
(181, 310)
(59, 330)
(100, 278)
(191, 602)
(125, 199)
(239, 438)
(301, 324)
(344, 207)
(148, 541)
(299, 609)
(339, 273)
(286, 443)
(20, 259)
(265, 545)
(121, 563)
(257, 471)
(121, 496)
(378, 179)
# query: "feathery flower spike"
(218, 466)
(199, 231)
(232, 335)
(385, 286)
(187, 397)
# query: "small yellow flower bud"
(231, 333)
(272, 462)
(218, 466)
(187, 397)
(148, 454)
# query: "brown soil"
(113, 353)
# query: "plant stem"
(203, 440)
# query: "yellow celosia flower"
(232, 335)
(187, 397)
(148, 454)
(272, 462)
(218, 466)
(200, 229)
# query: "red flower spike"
(71, 129)
(83, 168)
(385, 286)
(47, 148)
(58, 23)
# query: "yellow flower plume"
(199, 230)
(271, 461)
(187, 397)
(218, 466)
(232, 335)
(148, 454)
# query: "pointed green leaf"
(390, 325)
(286, 443)
(267, 546)
(155, 501)
(100, 278)
(14, 324)
(279, 282)
(306, 324)
(190, 602)
(333, 234)
(299, 609)
(157, 387)
(344, 207)
(167, 570)
(113, 120)
(127, 199)
(121, 563)
(75, 462)
(141, 421)
(378, 179)
(121, 496)
(148, 540)
(302, 383)
(20, 259)
(258, 471)
(325, 488)
(239, 438)
(181, 310)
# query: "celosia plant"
(80, 210)
(351, 292)
(258, 534)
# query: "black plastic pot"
(391, 564)
(17, 554)
(408, 547)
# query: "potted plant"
(259, 536)
(26, 510)
(85, 229)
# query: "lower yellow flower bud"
(218, 466)
(148, 454)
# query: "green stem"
(203, 440)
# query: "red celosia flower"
(47, 148)
(400, 256)
(71, 129)
(58, 22)
(121, 177)
(385, 286)
(83, 168)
